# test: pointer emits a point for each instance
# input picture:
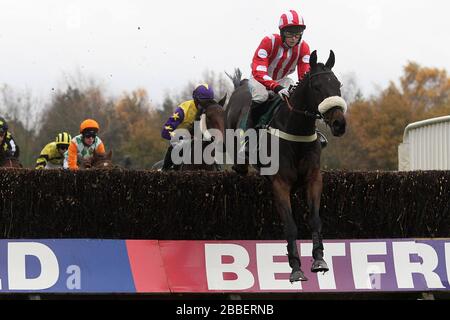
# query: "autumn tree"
(168, 106)
(142, 144)
(376, 125)
(220, 83)
(69, 107)
(427, 91)
(345, 152)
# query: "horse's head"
(10, 162)
(323, 94)
(100, 161)
(212, 127)
(215, 116)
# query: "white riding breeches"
(50, 165)
(259, 92)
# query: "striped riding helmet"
(290, 19)
(63, 138)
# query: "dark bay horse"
(210, 117)
(100, 161)
(317, 96)
(10, 162)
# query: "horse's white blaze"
(204, 128)
(332, 102)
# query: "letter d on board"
(17, 251)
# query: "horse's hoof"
(319, 266)
(297, 276)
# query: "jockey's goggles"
(63, 146)
(89, 134)
(289, 34)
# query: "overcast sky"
(161, 45)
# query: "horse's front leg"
(282, 197)
(314, 192)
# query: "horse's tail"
(236, 78)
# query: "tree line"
(131, 124)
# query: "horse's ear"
(222, 101)
(313, 59)
(330, 61)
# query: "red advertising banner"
(262, 266)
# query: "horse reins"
(306, 113)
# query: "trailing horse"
(99, 161)
(211, 116)
(10, 162)
(317, 96)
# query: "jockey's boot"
(256, 111)
(323, 140)
(167, 160)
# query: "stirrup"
(323, 140)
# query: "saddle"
(271, 106)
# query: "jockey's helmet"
(90, 124)
(63, 138)
(291, 22)
(3, 125)
(203, 91)
(291, 19)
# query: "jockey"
(184, 116)
(8, 147)
(83, 146)
(276, 57)
(52, 156)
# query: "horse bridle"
(202, 109)
(313, 115)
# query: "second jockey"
(83, 146)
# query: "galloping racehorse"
(317, 96)
(10, 162)
(100, 161)
(211, 117)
